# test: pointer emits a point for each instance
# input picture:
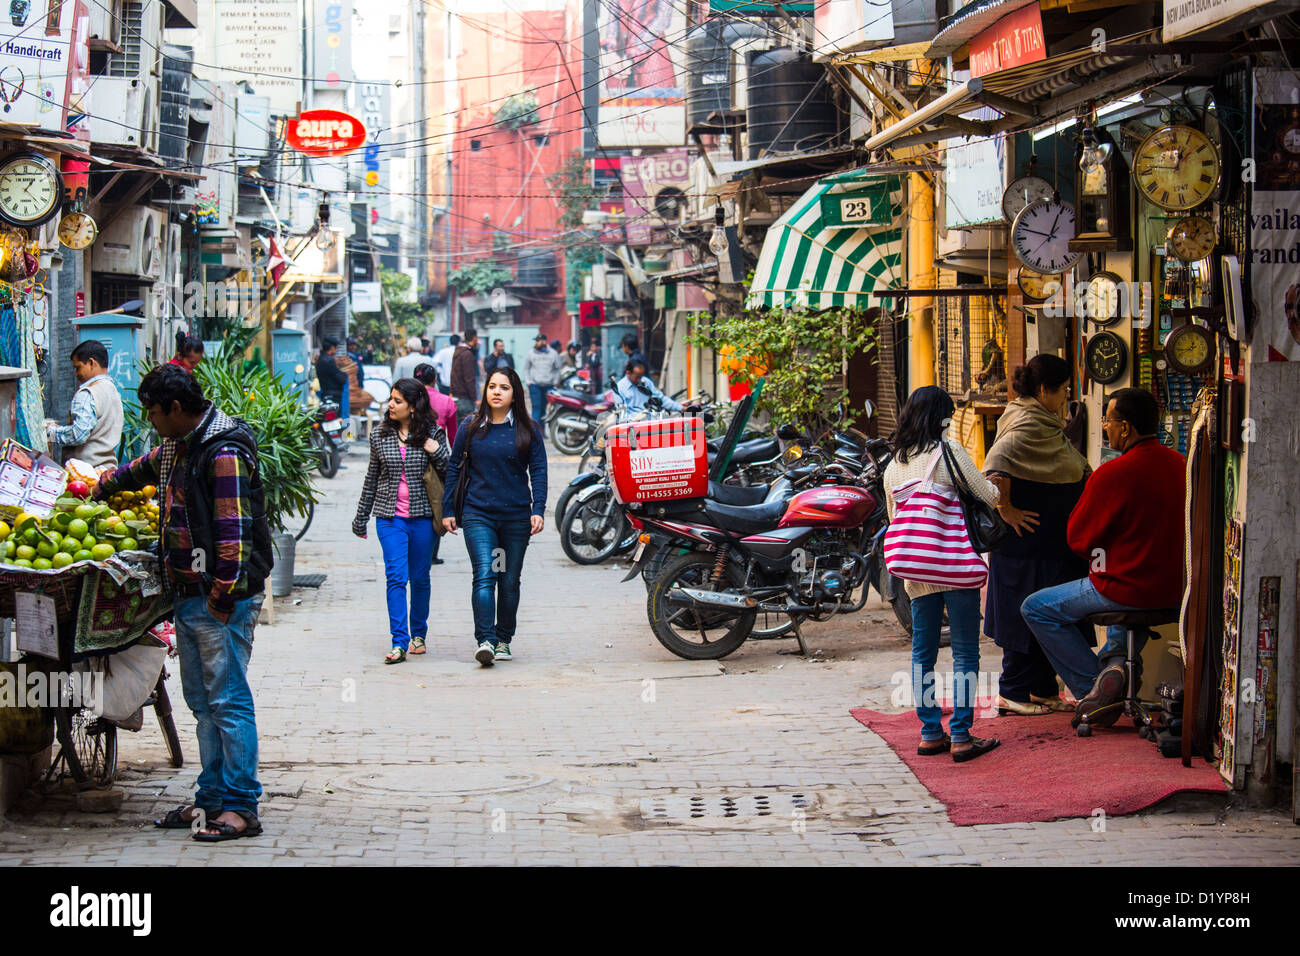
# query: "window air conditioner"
(124, 112)
(104, 19)
(132, 244)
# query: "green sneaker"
(503, 652)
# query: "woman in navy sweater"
(498, 464)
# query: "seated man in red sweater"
(1128, 524)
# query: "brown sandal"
(1021, 710)
(977, 748)
(928, 748)
(1057, 704)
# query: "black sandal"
(978, 748)
(175, 819)
(929, 748)
(225, 831)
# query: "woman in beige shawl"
(1041, 476)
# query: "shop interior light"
(718, 241)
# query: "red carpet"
(1043, 771)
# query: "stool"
(1131, 621)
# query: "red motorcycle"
(802, 555)
(572, 417)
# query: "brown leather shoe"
(1106, 692)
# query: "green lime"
(42, 564)
(89, 541)
(45, 549)
(22, 562)
(103, 551)
(77, 528)
(31, 535)
(128, 544)
(10, 547)
(25, 551)
(83, 555)
(61, 559)
(85, 512)
(69, 543)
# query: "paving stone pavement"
(594, 746)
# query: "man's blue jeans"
(496, 550)
(537, 398)
(214, 679)
(964, 625)
(1053, 614)
(407, 544)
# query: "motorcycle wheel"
(592, 531)
(705, 635)
(562, 505)
(327, 455)
(902, 606)
(566, 437)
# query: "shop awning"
(1033, 94)
(968, 22)
(808, 263)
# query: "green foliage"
(517, 111)
(282, 426)
(802, 353)
(480, 278)
(371, 328)
(575, 190)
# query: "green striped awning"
(804, 264)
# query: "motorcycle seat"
(746, 519)
(761, 449)
(736, 494)
(596, 409)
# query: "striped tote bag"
(927, 541)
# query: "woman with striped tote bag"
(928, 546)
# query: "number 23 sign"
(852, 210)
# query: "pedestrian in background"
(94, 428)
(499, 358)
(496, 492)
(406, 442)
(442, 362)
(206, 470)
(464, 375)
(572, 355)
(333, 382)
(189, 351)
(591, 362)
(1040, 476)
(404, 367)
(918, 452)
(542, 370)
(444, 413)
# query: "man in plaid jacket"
(215, 545)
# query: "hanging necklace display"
(11, 89)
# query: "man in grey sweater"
(541, 372)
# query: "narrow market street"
(594, 746)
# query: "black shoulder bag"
(462, 482)
(988, 530)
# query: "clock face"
(1189, 349)
(1035, 285)
(1192, 238)
(1291, 139)
(1041, 236)
(1176, 167)
(1101, 298)
(31, 189)
(77, 230)
(1022, 192)
(1105, 357)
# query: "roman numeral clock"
(31, 189)
(1176, 167)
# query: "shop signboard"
(374, 103)
(654, 191)
(326, 133)
(638, 89)
(261, 39)
(1015, 39)
(366, 297)
(1275, 219)
(36, 57)
(855, 208)
(751, 9)
(973, 174)
(331, 33)
(1185, 17)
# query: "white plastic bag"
(129, 677)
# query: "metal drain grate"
(774, 808)
(308, 580)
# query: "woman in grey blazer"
(401, 449)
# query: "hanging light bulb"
(1095, 153)
(718, 241)
(324, 238)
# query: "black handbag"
(988, 530)
(462, 484)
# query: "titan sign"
(326, 133)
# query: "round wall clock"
(1190, 349)
(31, 189)
(1106, 357)
(1101, 298)
(1035, 285)
(1176, 167)
(77, 230)
(1192, 238)
(1041, 236)
(1022, 192)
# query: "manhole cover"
(442, 780)
(308, 580)
(765, 808)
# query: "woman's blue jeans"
(496, 550)
(964, 625)
(407, 544)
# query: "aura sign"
(326, 133)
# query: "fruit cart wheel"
(89, 745)
(162, 709)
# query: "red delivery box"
(653, 461)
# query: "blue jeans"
(1053, 614)
(537, 399)
(496, 549)
(214, 679)
(964, 624)
(407, 544)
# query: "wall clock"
(1041, 236)
(1176, 167)
(1035, 285)
(77, 230)
(1022, 192)
(1190, 349)
(1192, 238)
(1105, 357)
(31, 189)
(1101, 298)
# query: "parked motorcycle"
(327, 437)
(571, 418)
